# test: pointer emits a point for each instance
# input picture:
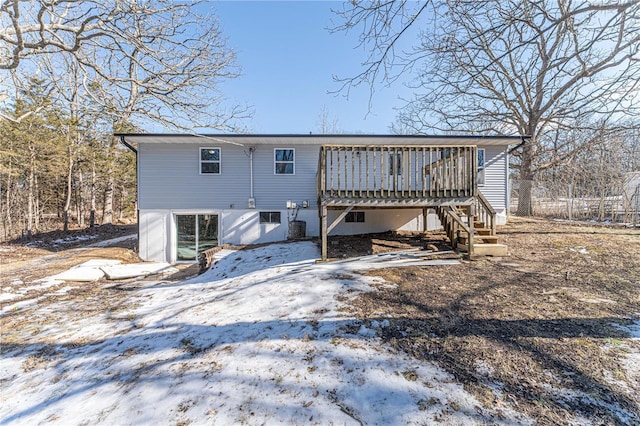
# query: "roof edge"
(318, 135)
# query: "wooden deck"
(395, 176)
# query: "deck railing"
(485, 213)
(397, 172)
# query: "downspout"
(251, 171)
(252, 201)
(524, 139)
(128, 145)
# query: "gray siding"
(169, 177)
(495, 176)
(272, 191)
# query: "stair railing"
(485, 212)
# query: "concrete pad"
(96, 263)
(80, 274)
(86, 272)
(132, 270)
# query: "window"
(210, 161)
(284, 161)
(481, 166)
(398, 163)
(269, 217)
(354, 217)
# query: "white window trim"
(292, 162)
(484, 167)
(200, 160)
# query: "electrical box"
(252, 203)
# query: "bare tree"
(508, 66)
(148, 61)
(157, 59)
(327, 123)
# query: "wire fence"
(614, 201)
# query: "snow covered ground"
(259, 339)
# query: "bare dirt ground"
(534, 331)
(536, 327)
(24, 263)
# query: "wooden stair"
(485, 242)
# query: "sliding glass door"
(196, 233)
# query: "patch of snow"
(366, 332)
(483, 368)
(4, 297)
(579, 249)
(73, 239)
(376, 324)
(19, 306)
(99, 263)
(43, 284)
(9, 293)
(63, 290)
(625, 416)
(633, 329)
(260, 338)
(390, 260)
(112, 241)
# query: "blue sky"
(288, 58)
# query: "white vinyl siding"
(169, 178)
(272, 191)
(494, 187)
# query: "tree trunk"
(80, 200)
(8, 226)
(526, 180)
(92, 195)
(107, 215)
(30, 194)
(67, 200)
(121, 204)
(37, 211)
(109, 190)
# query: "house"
(199, 191)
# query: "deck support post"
(425, 212)
(323, 231)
